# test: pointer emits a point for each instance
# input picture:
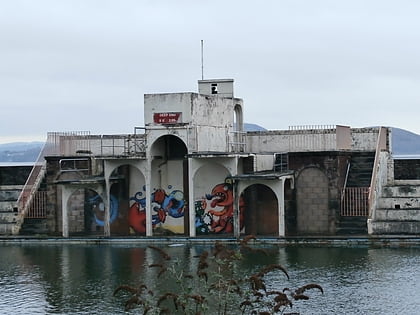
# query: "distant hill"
(253, 127)
(403, 143)
(20, 151)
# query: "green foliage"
(214, 287)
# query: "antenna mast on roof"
(202, 61)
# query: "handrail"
(345, 181)
(33, 182)
(381, 144)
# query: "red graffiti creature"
(221, 196)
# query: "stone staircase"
(398, 210)
(361, 167)
(360, 174)
(34, 226)
(9, 217)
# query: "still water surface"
(81, 279)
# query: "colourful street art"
(98, 209)
(164, 205)
(137, 213)
(214, 213)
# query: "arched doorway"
(86, 212)
(312, 202)
(213, 200)
(127, 186)
(169, 183)
(261, 210)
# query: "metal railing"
(354, 201)
(53, 146)
(281, 162)
(312, 138)
(237, 141)
(82, 165)
(38, 206)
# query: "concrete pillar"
(148, 179)
(191, 204)
(107, 202)
(282, 228)
(65, 194)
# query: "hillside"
(20, 151)
(405, 142)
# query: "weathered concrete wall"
(206, 121)
(362, 139)
(195, 109)
(264, 162)
(212, 139)
(168, 103)
(268, 141)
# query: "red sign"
(167, 118)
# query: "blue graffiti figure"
(97, 202)
(138, 198)
(172, 205)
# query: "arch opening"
(86, 212)
(169, 184)
(213, 200)
(261, 210)
(128, 187)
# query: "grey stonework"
(312, 202)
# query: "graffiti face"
(221, 196)
(214, 214)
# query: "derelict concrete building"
(194, 170)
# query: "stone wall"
(319, 180)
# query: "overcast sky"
(84, 65)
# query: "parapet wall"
(361, 139)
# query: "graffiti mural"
(165, 205)
(137, 213)
(214, 212)
(98, 209)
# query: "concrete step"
(8, 217)
(408, 191)
(352, 225)
(7, 228)
(34, 227)
(395, 202)
(394, 227)
(402, 215)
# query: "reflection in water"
(80, 279)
